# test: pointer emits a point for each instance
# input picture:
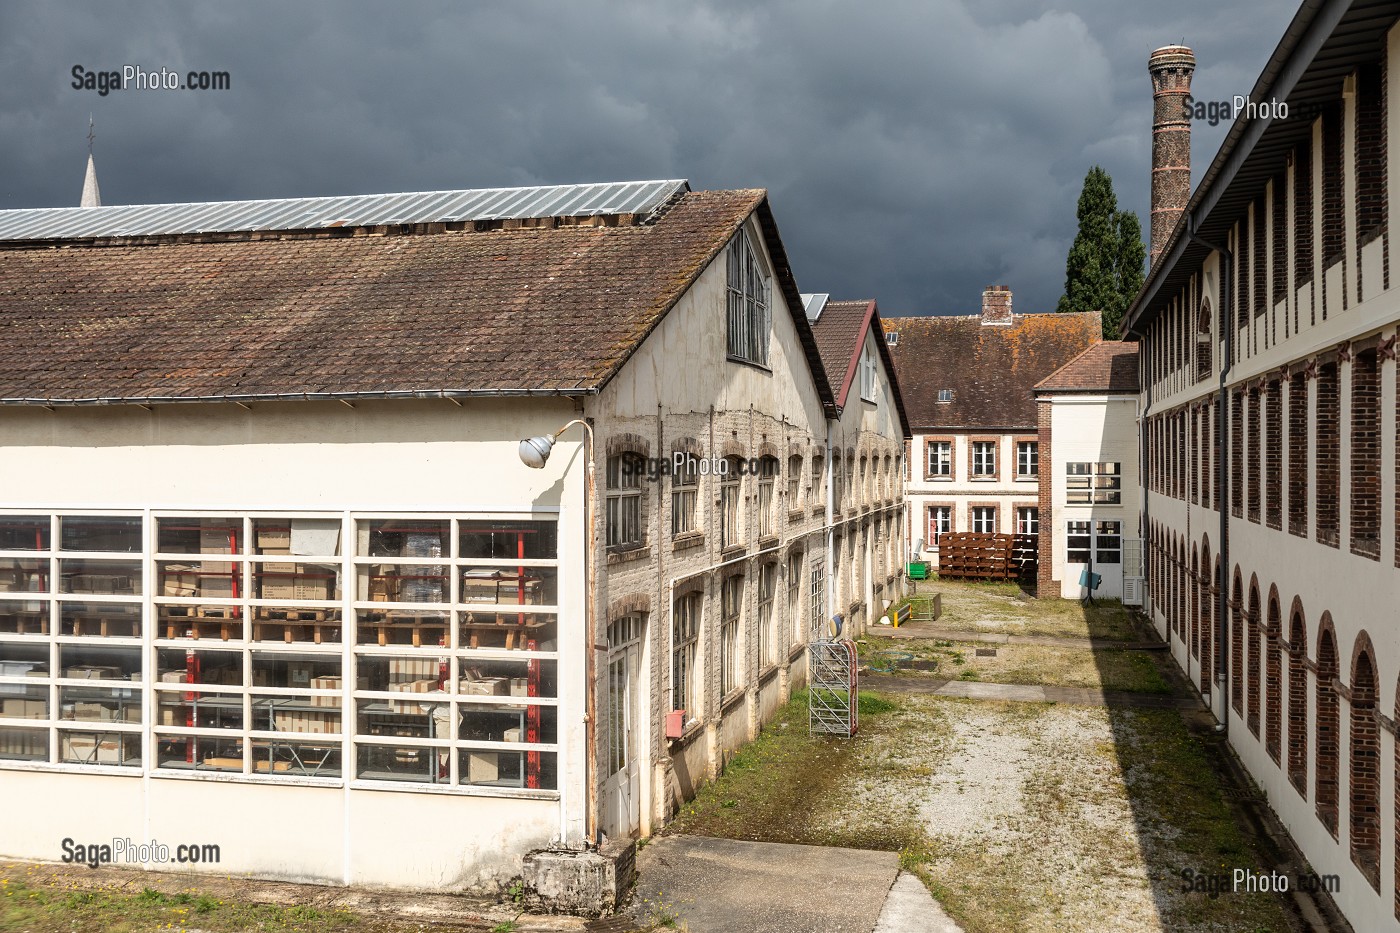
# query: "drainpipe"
(1222, 670)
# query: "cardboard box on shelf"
(216, 587)
(413, 686)
(278, 588)
(103, 583)
(312, 587)
(179, 584)
(92, 712)
(171, 716)
(519, 687)
(217, 540)
(93, 672)
(486, 686)
(279, 539)
(24, 709)
(131, 712)
(326, 683)
(402, 670)
(174, 677)
(299, 674)
(278, 566)
(483, 767)
(512, 734)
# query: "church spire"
(91, 196)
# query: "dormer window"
(747, 303)
(892, 338)
(945, 395)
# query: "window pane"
(511, 586)
(516, 630)
(115, 620)
(100, 577)
(100, 533)
(24, 575)
(100, 748)
(508, 539)
(99, 662)
(199, 535)
(24, 744)
(403, 538)
(99, 704)
(24, 533)
(296, 758)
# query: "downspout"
(828, 572)
(1222, 670)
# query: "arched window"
(1327, 727)
(1298, 700)
(1364, 774)
(1254, 675)
(1237, 646)
(1273, 680)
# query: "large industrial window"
(685, 487)
(767, 479)
(794, 598)
(624, 500)
(818, 580)
(1093, 483)
(730, 518)
(767, 641)
(731, 661)
(685, 637)
(246, 645)
(794, 482)
(747, 303)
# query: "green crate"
(918, 570)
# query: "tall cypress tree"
(1104, 269)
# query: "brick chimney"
(1171, 68)
(996, 304)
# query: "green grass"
(770, 788)
(38, 908)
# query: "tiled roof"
(839, 331)
(1109, 366)
(538, 310)
(991, 370)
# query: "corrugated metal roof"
(64, 223)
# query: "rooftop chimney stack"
(996, 304)
(1171, 68)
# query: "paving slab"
(911, 909)
(728, 886)
(1023, 693)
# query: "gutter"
(384, 395)
(1222, 670)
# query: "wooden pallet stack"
(971, 555)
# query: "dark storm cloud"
(915, 151)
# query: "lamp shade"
(534, 451)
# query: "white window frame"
(938, 516)
(1027, 459)
(255, 645)
(981, 516)
(1027, 520)
(688, 615)
(767, 640)
(984, 459)
(731, 510)
(731, 649)
(623, 501)
(939, 463)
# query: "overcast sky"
(914, 150)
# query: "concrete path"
(1023, 693)
(727, 886)
(924, 630)
(911, 909)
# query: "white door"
(1134, 583)
(621, 810)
